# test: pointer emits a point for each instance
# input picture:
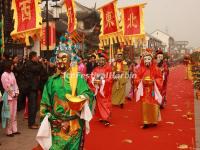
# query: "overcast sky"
(180, 18)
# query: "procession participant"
(64, 96)
(188, 64)
(162, 65)
(101, 84)
(82, 67)
(11, 92)
(120, 69)
(32, 76)
(132, 71)
(149, 82)
(91, 64)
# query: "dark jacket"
(32, 74)
(90, 67)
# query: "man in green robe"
(64, 97)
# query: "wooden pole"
(83, 41)
(132, 69)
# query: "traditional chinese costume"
(119, 84)
(54, 102)
(65, 101)
(102, 91)
(149, 83)
(162, 65)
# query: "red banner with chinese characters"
(132, 18)
(109, 19)
(52, 36)
(71, 14)
(109, 24)
(27, 18)
(26, 14)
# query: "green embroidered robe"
(54, 102)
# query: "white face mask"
(159, 58)
(147, 60)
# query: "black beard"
(160, 63)
(62, 69)
(147, 65)
(101, 65)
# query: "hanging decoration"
(28, 20)
(71, 14)
(52, 36)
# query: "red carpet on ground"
(173, 131)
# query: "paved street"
(25, 141)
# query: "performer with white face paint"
(149, 82)
(165, 72)
(148, 60)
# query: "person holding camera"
(32, 75)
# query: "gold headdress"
(120, 52)
(148, 52)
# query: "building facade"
(152, 42)
(167, 40)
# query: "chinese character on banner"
(52, 36)
(26, 14)
(25, 7)
(70, 5)
(133, 20)
(27, 18)
(109, 19)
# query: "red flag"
(133, 20)
(109, 19)
(26, 14)
(71, 15)
(52, 36)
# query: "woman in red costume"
(149, 82)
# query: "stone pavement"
(25, 141)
